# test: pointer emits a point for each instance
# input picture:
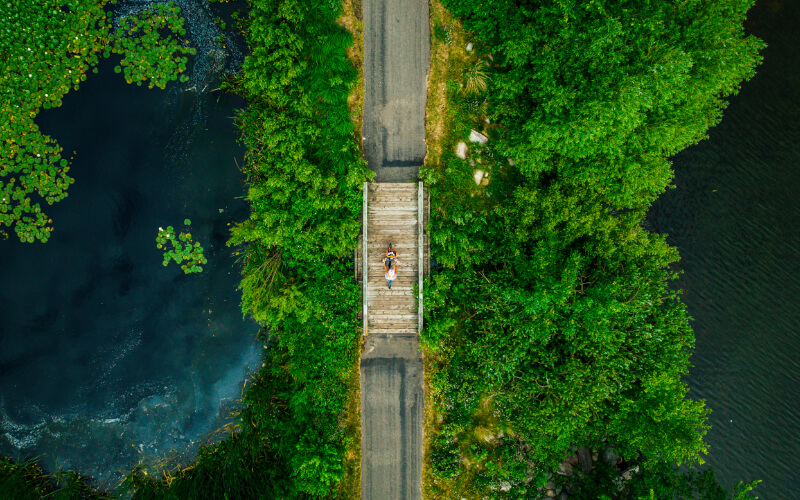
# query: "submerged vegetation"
(181, 249)
(550, 326)
(27, 481)
(46, 48)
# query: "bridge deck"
(392, 396)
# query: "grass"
(350, 487)
(456, 78)
(449, 61)
(351, 20)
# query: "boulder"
(469, 47)
(461, 150)
(565, 469)
(478, 175)
(609, 457)
(551, 493)
(630, 472)
(585, 459)
(475, 136)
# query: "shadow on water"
(733, 217)
(106, 356)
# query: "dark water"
(106, 357)
(734, 217)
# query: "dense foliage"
(659, 480)
(304, 170)
(46, 48)
(551, 322)
(27, 481)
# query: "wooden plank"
(384, 331)
(395, 325)
(392, 187)
(421, 251)
(391, 305)
(393, 318)
(392, 293)
(384, 205)
(393, 222)
(365, 266)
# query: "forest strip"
(554, 346)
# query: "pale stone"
(630, 472)
(475, 136)
(469, 47)
(478, 177)
(565, 469)
(461, 150)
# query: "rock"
(551, 493)
(461, 150)
(485, 181)
(469, 47)
(585, 459)
(630, 472)
(478, 175)
(609, 457)
(565, 469)
(595, 456)
(475, 136)
(550, 485)
(563, 496)
(505, 486)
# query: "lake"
(734, 217)
(108, 358)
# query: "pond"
(106, 356)
(734, 218)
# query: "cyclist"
(390, 265)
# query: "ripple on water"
(733, 217)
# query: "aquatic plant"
(46, 48)
(150, 49)
(185, 252)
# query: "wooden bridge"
(395, 213)
(392, 396)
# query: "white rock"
(475, 136)
(469, 47)
(478, 177)
(461, 150)
(630, 472)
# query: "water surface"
(106, 356)
(734, 218)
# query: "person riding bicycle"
(390, 265)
